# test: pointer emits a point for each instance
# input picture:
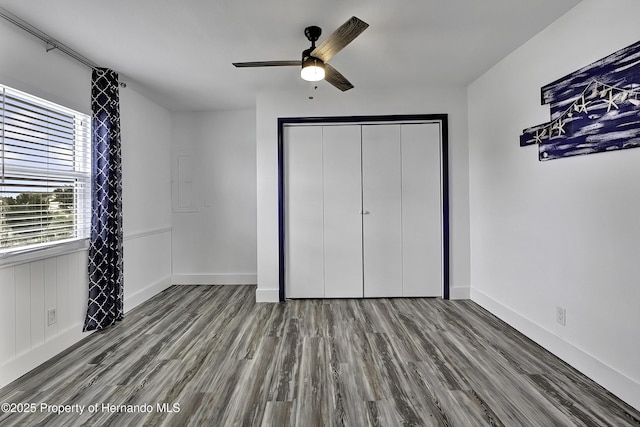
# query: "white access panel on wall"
(304, 219)
(342, 212)
(421, 210)
(382, 206)
(184, 192)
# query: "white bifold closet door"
(363, 211)
(382, 206)
(421, 210)
(401, 199)
(304, 222)
(323, 222)
(342, 212)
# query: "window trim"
(51, 250)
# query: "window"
(44, 173)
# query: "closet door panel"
(304, 263)
(381, 196)
(342, 206)
(421, 210)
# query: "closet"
(363, 210)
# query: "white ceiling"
(181, 52)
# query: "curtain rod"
(50, 41)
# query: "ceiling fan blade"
(339, 39)
(296, 63)
(333, 76)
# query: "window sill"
(37, 254)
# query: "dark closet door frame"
(410, 118)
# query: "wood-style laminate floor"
(226, 361)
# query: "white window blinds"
(44, 172)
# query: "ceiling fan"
(314, 60)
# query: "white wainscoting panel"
(147, 265)
(28, 291)
(7, 315)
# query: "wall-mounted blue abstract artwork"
(594, 109)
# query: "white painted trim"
(64, 248)
(617, 383)
(215, 279)
(38, 254)
(460, 292)
(25, 362)
(145, 294)
(267, 295)
(146, 233)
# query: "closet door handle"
(364, 212)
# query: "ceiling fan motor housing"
(313, 34)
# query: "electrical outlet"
(52, 316)
(561, 316)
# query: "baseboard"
(145, 294)
(460, 292)
(267, 295)
(35, 357)
(215, 279)
(617, 383)
(273, 295)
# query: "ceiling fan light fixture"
(312, 69)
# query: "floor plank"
(224, 360)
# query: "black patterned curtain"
(105, 249)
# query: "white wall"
(30, 286)
(146, 204)
(330, 102)
(562, 233)
(214, 242)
